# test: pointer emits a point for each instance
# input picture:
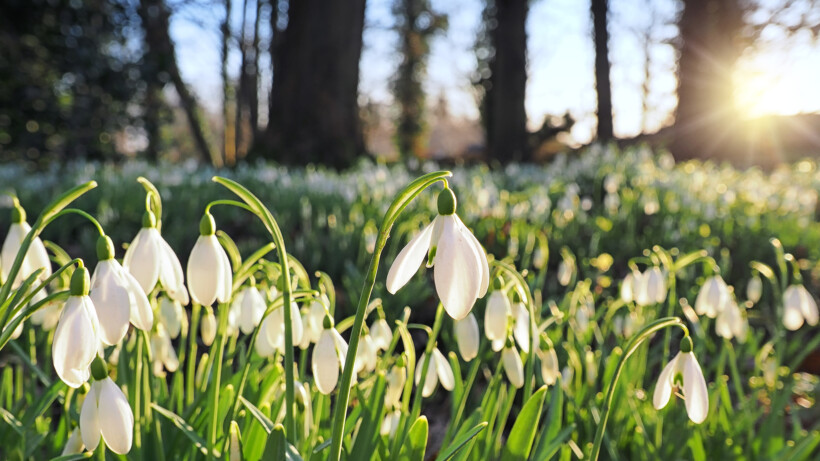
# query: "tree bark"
(505, 116)
(603, 87)
(228, 131)
(314, 107)
(705, 121)
(161, 52)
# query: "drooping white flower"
(712, 297)
(390, 423)
(395, 380)
(549, 364)
(521, 327)
(366, 355)
(207, 327)
(683, 372)
(48, 315)
(513, 366)
(164, 354)
(74, 444)
(36, 256)
(315, 318)
(650, 288)
(754, 289)
(798, 306)
(209, 271)
(467, 337)
(149, 259)
(381, 333)
(628, 288)
(328, 358)
(172, 316)
(76, 340)
(564, 273)
(731, 323)
(461, 271)
(496, 316)
(117, 296)
(251, 309)
(439, 370)
(106, 414)
(275, 327)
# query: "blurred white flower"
(328, 358)
(390, 423)
(731, 322)
(628, 287)
(74, 444)
(496, 316)
(650, 288)
(275, 326)
(467, 336)
(564, 273)
(36, 256)
(164, 354)
(366, 355)
(207, 327)
(381, 333)
(395, 378)
(798, 306)
(106, 414)
(172, 316)
(754, 289)
(549, 365)
(521, 327)
(461, 272)
(513, 366)
(251, 309)
(712, 297)
(149, 259)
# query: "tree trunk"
(228, 132)
(242, 125)
(161, 52)
(505, 116)
(603, 86)
(705, 121)
(314, 107)
(253, 78)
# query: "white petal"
(521, 329)
(482, 257)
(496, 316)
(170, 313)
(142, 315)
(74, 444)
(549, 367)
(75, 343)
(208, 327)
(204, 270)
(295, 324)
(250, 313)
(694, 389)
(11, 246)
(224, 292)
(325, 364)
(263, 345)
(341, 346)
(116, 418)
(513, 366)
(497, 344)
(89, 418)
(457, 271)
(467, 337)
(663, 390)
(431, 380)
(792, 316)
(170, 272)
(808, 307)
(142, 258)
(111, 301)
(408, 261)
(443, 370)
(39, 258)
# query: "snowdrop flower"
(381, 333)
(76, 340)
(467, 337)
(74, 444)
(209, 270)
(36, 256)
(439, 370)
(731, 323)
(328, 357)
(549, 363)
(163, 351)
(251, 309)
(275, 327)
(366, 355)
(207, 327)
(117, 297)
(496, 316)
(513, 366)
(395, 379)
(651, 287)
(683, 372)
(106, 414)
(754, 289)
(390, 423)
(798, 305)
(149, 259)
(316, 317)
(628, 287)
(461, 272)
(712, 297)
(564, 273)
(48, 315)
(172, 316)
(521, 327)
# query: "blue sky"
(777, 78)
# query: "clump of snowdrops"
(244, 357)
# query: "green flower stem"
(81, 213)
(672, 298)
(399, 204)
(631, 347)
(190, 374)
(45, 217)
(529, 368)
(256, 206)
(217, 377)
(138, 396)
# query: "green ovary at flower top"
(461, 271)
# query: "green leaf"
(553, 424)
(278, 448)
(522, 435)
(12, 421)
(370, 422)
(460, 442)
(416, 442)
(258, 414)
(186, 428)
(74, 457)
